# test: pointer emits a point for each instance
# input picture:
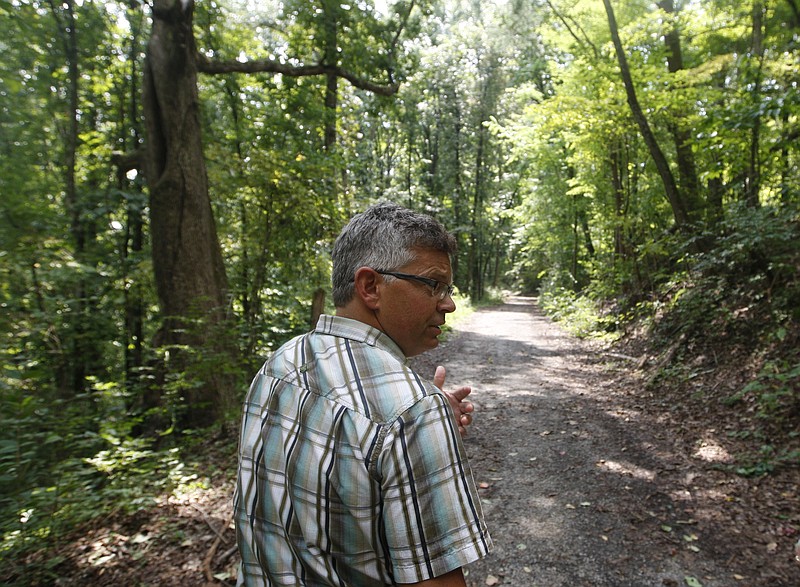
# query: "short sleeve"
(432, 514)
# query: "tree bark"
(71, 370)
(204, 65)
(679, 209)
(619, 206)
(753, 178)
(187, 260)
(317, 306)
(134, 227)
(687, 170)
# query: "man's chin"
(431, 344)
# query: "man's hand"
(461, 408)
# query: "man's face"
(409, 313)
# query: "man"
(351, 467)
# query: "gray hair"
(384, 237)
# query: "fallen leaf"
(492, 580)
(140, 538)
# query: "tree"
(188, 264)
(681, 134)
(753, 177)
(679, 208)
(187, 260)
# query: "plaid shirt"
(351, 468)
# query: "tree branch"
(393, 46)
(582, 42)
(268, 66)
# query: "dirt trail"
(579, 488)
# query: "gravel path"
(579, 488)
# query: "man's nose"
(447, 304)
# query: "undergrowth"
(579, 314)
(122, 475)
(725, 318)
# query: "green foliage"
(775, 392)
(46, 488)
(747, 284)
(122, 474)
(766, 461)
(578, 314)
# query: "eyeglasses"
(440, 289)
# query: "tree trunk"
(687, 170)
(753, 179)
(476, 234)
(134, 226)
(73, 377)
(81, 354)
(581, 217)
(785, 161)
(187, 259)
(459, 197)
(679, 209)
(619, 207)
(794, 6)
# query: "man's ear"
(367, 282)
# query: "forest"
(174, 173)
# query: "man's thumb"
(439, 376)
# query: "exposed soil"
(587, 479)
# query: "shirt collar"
(359, 332)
